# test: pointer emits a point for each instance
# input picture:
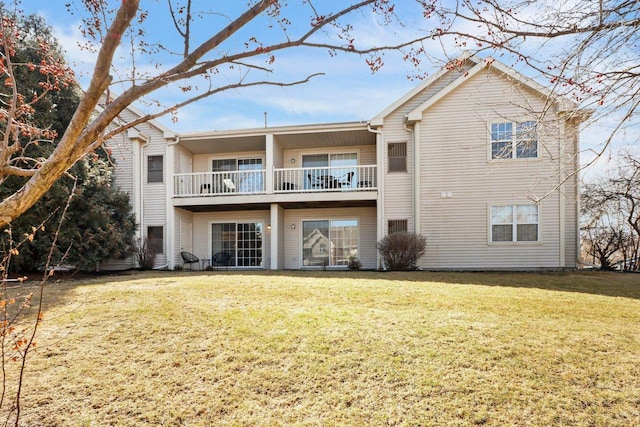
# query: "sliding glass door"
(330, 168)
(244, 175)
(329, 242)
(242, 241)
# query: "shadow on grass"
(613, 284)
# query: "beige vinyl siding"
(278, 155)
(202, 163)
(366, 238)
(184, 223)
(398, 186)
(454, 155)
(202, 230)
(571, 190)
(122, 152)
(154, 194)
(367, 155)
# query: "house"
(476, 158)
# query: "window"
(507, 144)
(329, 242)
(155, 240)
(397, 152)
(155, 169)
(330, 170)
(397, 226)
(242, 175)
(514, 223)
(243, 241)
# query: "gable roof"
(480, 64)
(135, 131)
(378, 119)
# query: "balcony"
(218, 183)
(290, 180)
(323, 179)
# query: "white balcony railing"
(325, 179)
(218, 183)
(292, 180)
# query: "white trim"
(378, 119)
(491, 64)
(170, 210)
(514, 225)
(417, 179)
(329, 219)
(283, 130)
(514, 141)
(274, 237)
(562, 201)
(236, 222)
(386, 163)
(236, 156)
(164, 169)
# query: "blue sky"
(347, 91)
(361, 94)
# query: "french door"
(241, 240)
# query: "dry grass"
(352, 348)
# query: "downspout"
(139, 197)
(380, 184)
(415, 200)
(170, 211)
(561, 194)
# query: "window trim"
(263, 257)
(514, 225)
(161, 227)
(249, 156)
(389, 221)
(149, 181)
(406, 157)
(514, 142)
(330, 219)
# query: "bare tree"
(587, 50)
(611, 216)
(235, 44)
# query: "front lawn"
(338, 348)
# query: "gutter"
(380, 184)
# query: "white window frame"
(514, 224)
(260, 222)
(330, 220)
(513, 140)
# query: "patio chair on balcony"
(189, 258)
(230, 187)
(316, 182)
(346, 182)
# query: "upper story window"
(397, 153)
(514, 140)
(155, 171)
(514, 223)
